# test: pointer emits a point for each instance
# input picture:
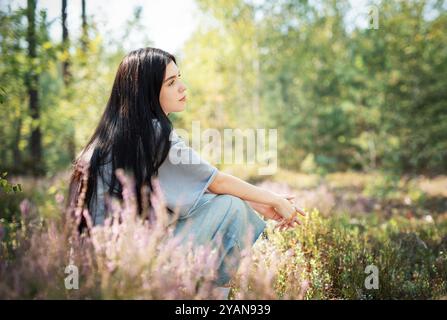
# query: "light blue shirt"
(184, 177)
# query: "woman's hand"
(288, 210)
(286, 207)
(270, 212)
(266, 211)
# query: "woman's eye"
(172, 82)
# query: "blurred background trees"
(343, 95)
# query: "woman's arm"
(225, 183)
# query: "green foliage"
(409, 256)
(6, 186)
(69, 113)
(343, 97)
(352, 97)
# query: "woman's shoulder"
(173, 137)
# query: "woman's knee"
(250, 224)
(235, 204)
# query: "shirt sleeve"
(184, 176)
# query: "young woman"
(135, 134)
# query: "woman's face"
(172, 93)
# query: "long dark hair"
(126, 135)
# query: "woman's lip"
(183, 99)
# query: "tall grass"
(127, 257)
(135, 258)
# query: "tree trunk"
(65, 44)
(17, 156)
(84, 27)
(71, 145)
(32, 87)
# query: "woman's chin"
(181, 107)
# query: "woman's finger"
(291, 225)
(295, 220)
(299, 210)
(278, 226)
(284, 225)
(278, 217)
